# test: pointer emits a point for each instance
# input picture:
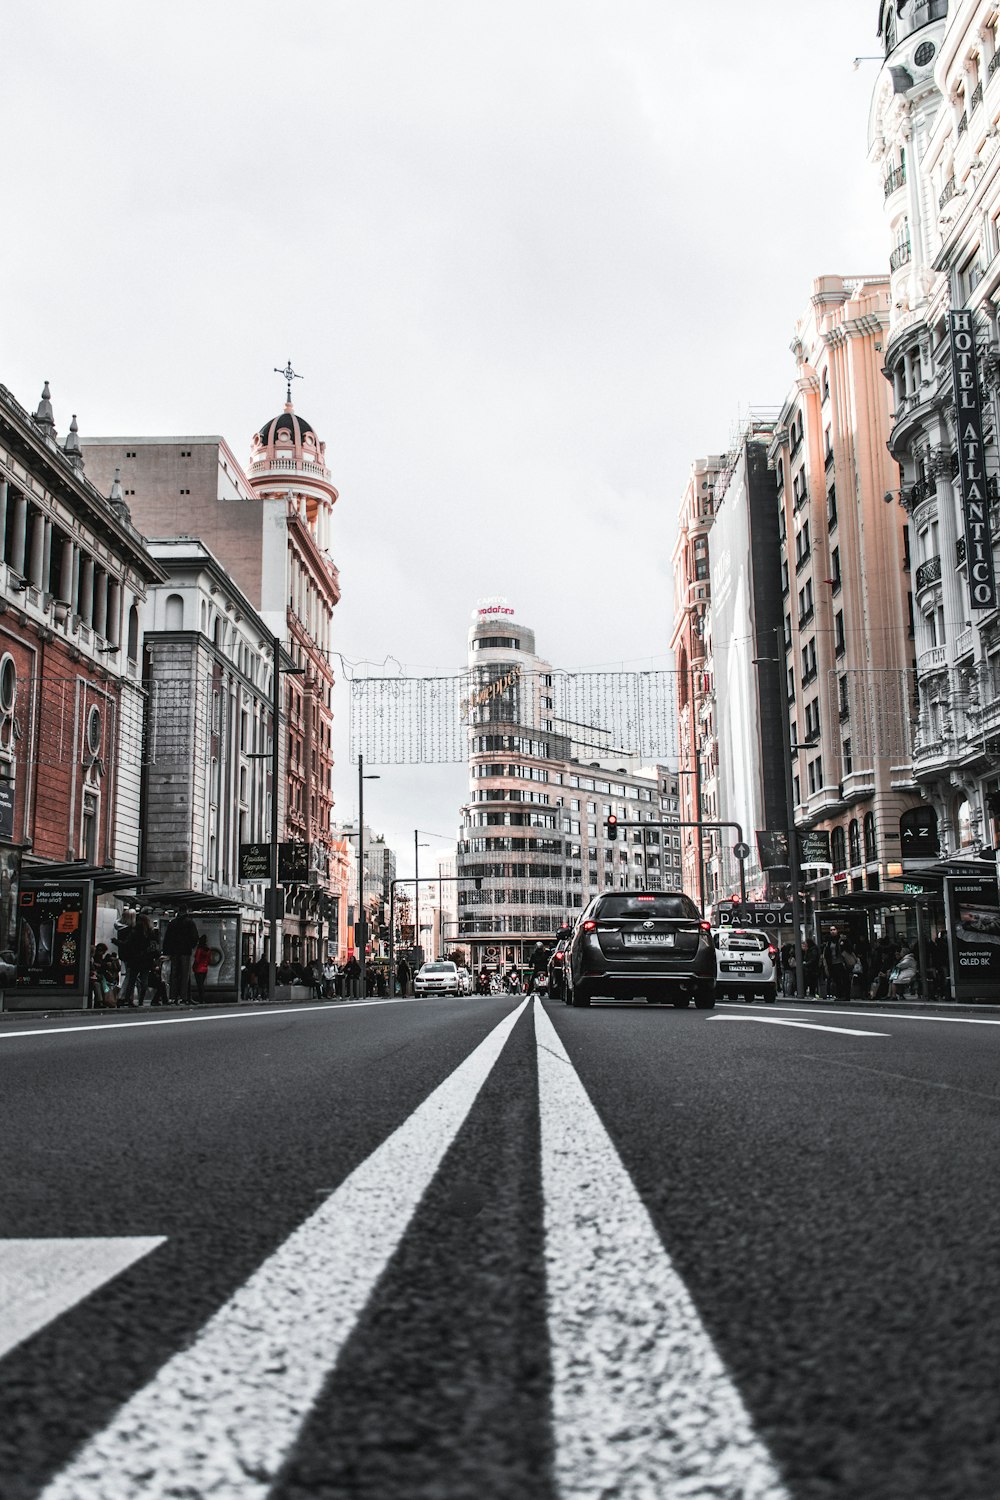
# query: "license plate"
(649, 940)
(739, 969)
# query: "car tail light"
(772, 951)
(705, 926)
(589, 926)
(645, 898)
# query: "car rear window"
(647, 906)
(439, 969)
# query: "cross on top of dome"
(288, 375)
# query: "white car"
(438, 978)
(747, 963)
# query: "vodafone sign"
(492, 607)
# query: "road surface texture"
(493, 1249)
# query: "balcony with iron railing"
(977, 97)
(963, 122)
(928, 572)
(950, 189)
(994, 63)
(900, 255)
(931, 660)
(895, 179)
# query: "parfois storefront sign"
(972, 466)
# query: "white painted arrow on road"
(40, 1279)
(803, 1025)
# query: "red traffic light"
(612, 826)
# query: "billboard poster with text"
(973, 913)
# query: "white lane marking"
(803, 1025)
(41, 1279)
(891, 1015)
(96, 1027)
(642, 1404)
(220, 1416)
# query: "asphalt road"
(472, 1249)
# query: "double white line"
(642, 1403)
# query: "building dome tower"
(288, 466)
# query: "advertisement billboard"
(53, 944)
(973, 914)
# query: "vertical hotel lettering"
(972, 468)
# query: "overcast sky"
(531, 257)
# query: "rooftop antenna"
(288, 375)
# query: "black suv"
(651, 944)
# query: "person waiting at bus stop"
(838, 975)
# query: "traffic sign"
(741, 851)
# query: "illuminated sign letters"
(972, 466)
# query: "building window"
(831, 507)
(848, 759)
(871, 845)
(838, 849)
(854, 842)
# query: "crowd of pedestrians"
(847, 968)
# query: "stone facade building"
(933, 136)
(270, 527)
(208, 667)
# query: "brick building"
(74, 574)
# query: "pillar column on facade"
(66, 572)
(74, 580)
(37, 546)
(47, 555)
(19, 538)
(100, 602)
(86, 599)
(4, 496)
(114, 630)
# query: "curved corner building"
(533, 831)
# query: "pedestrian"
(105, 973)
(904, 973)
(854, 970)
(403, 976)
(139, 949)
(200, 961)
(179, 943)
(352, 974)
(329, 978)
(837, 974)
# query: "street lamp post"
(361, 921)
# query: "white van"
(747, 964)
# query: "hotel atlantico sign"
(972, 465)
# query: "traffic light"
(612, 826)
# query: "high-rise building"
(696, 748)
(845, 583)
(534, 845)
(743, 646)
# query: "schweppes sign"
(972, 464)
(490, 690)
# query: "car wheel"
(771, 995)
(705, 1000)
(580, 995)
(680, 1002)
